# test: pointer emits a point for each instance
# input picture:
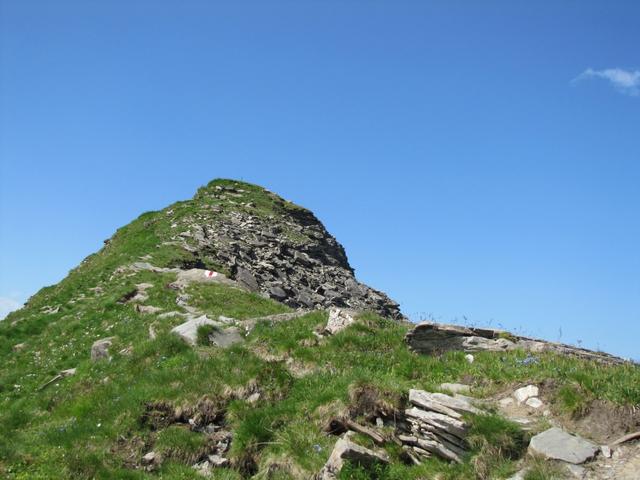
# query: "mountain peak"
(274, 247)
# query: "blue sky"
(478, 160)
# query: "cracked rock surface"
(281, 251)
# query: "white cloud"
(8, 305)
(625, 81)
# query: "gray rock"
(100, 349)
(481, 344)
(226, 337)
(199, 275)
(188, 330)
(347, 450)
(524, 393)
(277, 293)
(290, 250)
(458, 403)
(148, 309)
(576, 471)
(534, 402)
(245, 278)
(438, 448)
(339, 319)
(439, 421)
(434, 339)
(557, 444)
(437, 425)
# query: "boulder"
(199, 275)
(524, 393)
(188, 330)
(339, 319)
(437, 426)
(556, 444)
(245, 278)
(100, 349)
(347, 450)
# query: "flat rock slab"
(557, 444)
(188, 330)
(226, 337)
(198, 275)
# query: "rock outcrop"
(280, 250)
(434, 339)
(437, 426)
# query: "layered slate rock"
(434, 339)
(437, 426)
(275, 248)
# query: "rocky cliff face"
(273, 247)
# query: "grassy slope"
(88, 425)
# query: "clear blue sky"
(477, 159)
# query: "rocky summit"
(226, 337)
(271, 246)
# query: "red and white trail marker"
(210, 274)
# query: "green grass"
(84, 415)
(542, 469)
(203, 333)
(216, 300)
(572, 400)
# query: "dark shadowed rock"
(279, 250)
(246, 279)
